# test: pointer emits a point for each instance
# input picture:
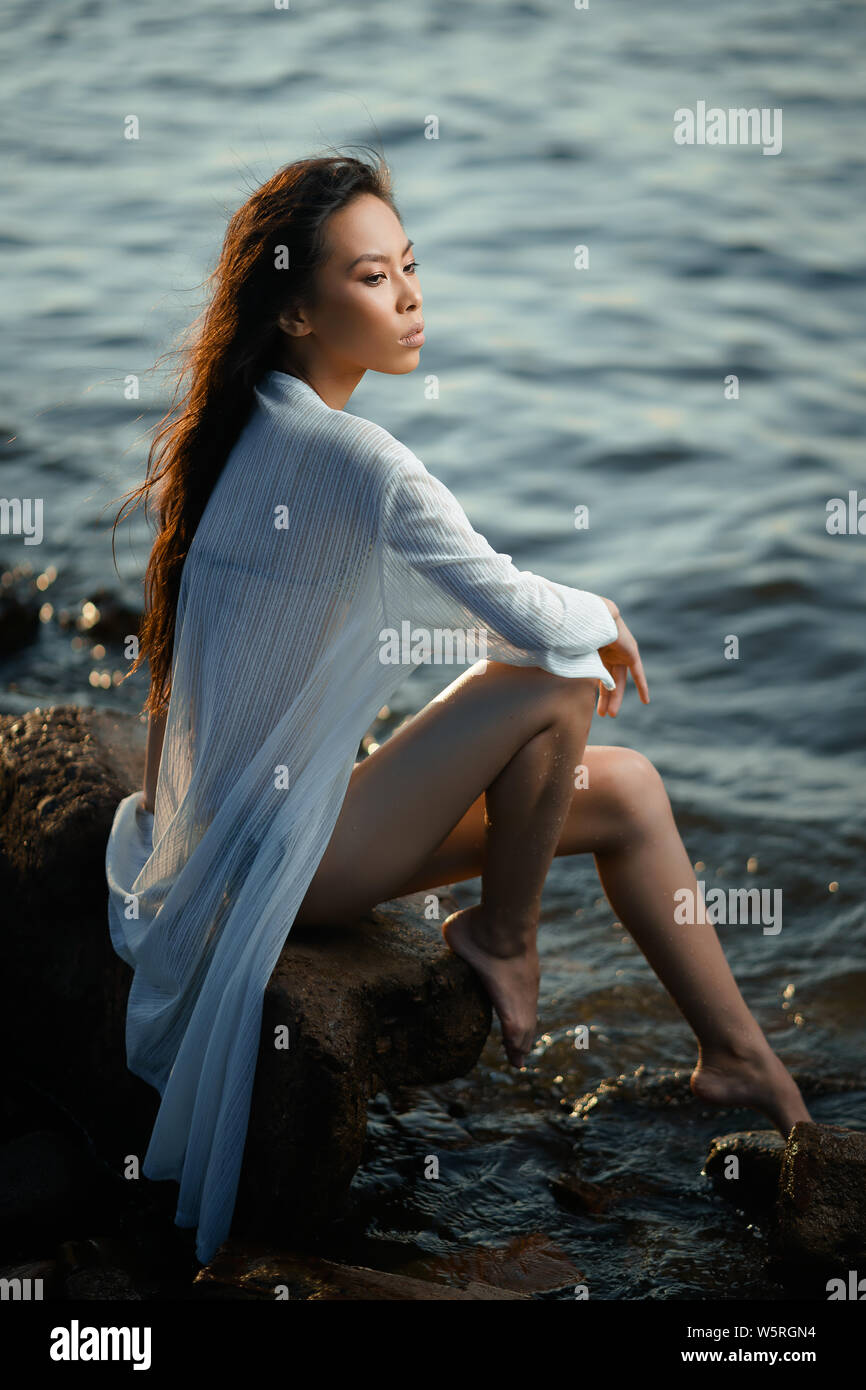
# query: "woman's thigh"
(620, 792)
(405, 799)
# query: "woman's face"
(368, 298)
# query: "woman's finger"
(619, 674)
(640, 680)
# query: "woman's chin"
(408, 364)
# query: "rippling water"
(558, 387)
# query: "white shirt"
(322, 532)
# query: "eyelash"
(370, 279)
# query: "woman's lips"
(413, 339)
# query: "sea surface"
(558, 387)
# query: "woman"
(295, 539)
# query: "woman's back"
(278, 572)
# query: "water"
(558, 387)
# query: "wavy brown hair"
(223, 355)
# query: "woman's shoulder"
(368, 434)
(371, 445)
(350, 442)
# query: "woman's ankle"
(743, 1050)
(501, 935)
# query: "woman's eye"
(380, 274)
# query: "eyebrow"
(377, 256)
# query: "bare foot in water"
(510, 980)
(754, 1077)
(757, 1079)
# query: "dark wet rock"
(582, 1197)
(587, 1197)
(101, 1283)
(382, 1004)
(812, 1191)
(62, 772)
(42, 1175)
(527, 1264)
(151, 1258)
(821, 1206)
(530, 1264)
(368, 1008)
(20, 602)
(815, 1225)
(248, 1273)
(54, 1185)
(754, 1178)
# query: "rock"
(129, 1265)
(367, 1008)
(582, 1197)
(754, 1179)
(101, 1283)
(821, 1206)
(43, 1176)
(382, 1004)
(238, 1272)
(527, 1264)
(52, 881)
(590, 1198)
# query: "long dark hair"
(223, 355)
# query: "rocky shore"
(378, 1007)
(381, 1005)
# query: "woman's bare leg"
(514, 733)
(641, 869)
(624, 818)
(458, 791)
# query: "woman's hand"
(620, 657)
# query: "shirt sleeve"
(438, 571)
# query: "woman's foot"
(511, 980)
(757, 1079)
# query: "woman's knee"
(637, 786)
(536, 694)
(570, 700)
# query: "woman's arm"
(155, 735)
(432, 552)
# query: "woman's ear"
(294, 322)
